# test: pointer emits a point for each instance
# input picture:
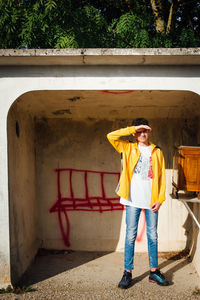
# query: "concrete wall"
(195, 243)
(23, 210)
(82, 145)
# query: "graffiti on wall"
(89, 201)
(117, 92)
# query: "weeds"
(16, 290)
(196, 291)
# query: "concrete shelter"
(58, 172)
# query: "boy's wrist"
(132, 130)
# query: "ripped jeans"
(132, 219)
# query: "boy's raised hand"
(143, 127)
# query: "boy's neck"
(144, 144)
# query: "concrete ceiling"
(111, 105)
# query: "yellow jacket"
(131, 155)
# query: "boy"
(142, 186)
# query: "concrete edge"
(103, 56)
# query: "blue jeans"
(132, 219)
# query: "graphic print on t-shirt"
(144, 167)
(141, 181)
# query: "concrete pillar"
(4, 204)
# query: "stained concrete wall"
(82, 145)
(23, 211)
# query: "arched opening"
(63, 172)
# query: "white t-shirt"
(141, 182)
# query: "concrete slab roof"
(103, 56)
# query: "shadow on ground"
(50, 263)
(170, 258)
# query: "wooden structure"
(186, 170)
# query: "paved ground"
(91, 276)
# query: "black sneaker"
(126, 280)
(158, 277)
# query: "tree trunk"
(169, 23)
(157, 11)
(172, 15)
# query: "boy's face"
(142, 135)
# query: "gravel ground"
(92, 275)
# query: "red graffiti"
(140, 235)
(117, 92)
(89, 202)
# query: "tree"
(99, 23)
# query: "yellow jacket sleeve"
(162, 180)
(114, 138)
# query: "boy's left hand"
(155, 207)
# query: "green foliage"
(187, 38)
(132, 31)
(94, 24)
